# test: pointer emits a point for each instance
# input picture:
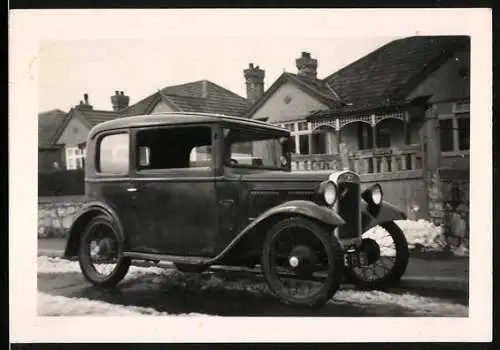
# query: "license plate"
(355, 259)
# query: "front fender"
(373, 216)
(297, 207)
(82, 218)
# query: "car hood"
(302, 176)
(277, 180)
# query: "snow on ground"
(420, 232)
(49, 305)
(55, 305)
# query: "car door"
(175, 190)
(110, 180)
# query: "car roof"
(178, 118)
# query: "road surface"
(151, 290)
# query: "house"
(49, 154)
(378, 102)
(63, 135)
(398, 116)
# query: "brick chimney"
(254, 79)
(306, 65)
(85, 105)
(119, 101)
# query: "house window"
(365, 136)
(454, 130)
(304, 144)
(299, 140)
(383, 137)
(463, 123)
(75, 158)
(319, 141)
(292, 144)
(446, 134)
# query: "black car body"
(202, 190)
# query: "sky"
(139, 66)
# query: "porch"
(371, 161)
(370, 144)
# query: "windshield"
(248, 148)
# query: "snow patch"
(418, 233)
(420, 306)
(52, 305)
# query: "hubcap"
(102, 251)
(303, 260)
(294, 261)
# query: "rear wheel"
(98, 253)
(302, 263)
(387, 254)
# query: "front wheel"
(98, 254)
(387, 253)
(302, 263)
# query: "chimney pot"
(119, 100)
(254, 79)
(306, 65)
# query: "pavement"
(425, 276)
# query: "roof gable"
(313, 87)
(48, 123)
(388, 74)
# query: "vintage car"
(168, 188)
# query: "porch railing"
(380, 160)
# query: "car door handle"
(132, 189)
(226, 202)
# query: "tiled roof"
(387, 75)
(48, 124)
(189, 97)
(95, 117)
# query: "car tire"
(85, 261)
(394, 275)
(334, 257)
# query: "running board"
(191, 260)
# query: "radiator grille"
(349, 209)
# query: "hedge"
(61, 183)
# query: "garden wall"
(56, 214)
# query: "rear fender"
(373, 216)
(82, 218)
(298, 207)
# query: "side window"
(174, 148)
(114, 154)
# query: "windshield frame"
(271, 133)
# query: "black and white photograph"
(218, 172)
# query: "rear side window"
(114, 154)
(174, 148)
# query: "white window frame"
(296, 132)
(457, 109)
(75, 157)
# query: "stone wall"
(56, 214)
(449, 204)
